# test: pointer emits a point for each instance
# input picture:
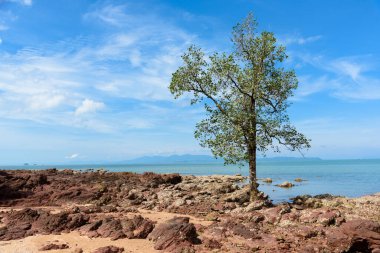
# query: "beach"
(72, 211)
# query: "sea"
(351, 178)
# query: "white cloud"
(344, 77)
(45, 101)
(309, 85)
(363, 88)
(348, 67)
(297, 39)
(73, 156)
(89, 106)
(50, 83)
(110, 14)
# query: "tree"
(245, 94)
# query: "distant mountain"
(191, 159)
(201, 159)
(285, 158)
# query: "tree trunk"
(252, 146)
(254, 192)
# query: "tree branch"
(238, 86)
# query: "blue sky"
(87, 80)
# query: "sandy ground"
(32, 244)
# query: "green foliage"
(245, 95)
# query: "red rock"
(137, 227)
(53, 246)
(328, 218)
(365, 234)
(274, 215)
(151, 179)
(112, 228)
(174, 235)
(211, 244)
(109, 249)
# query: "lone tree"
(245, 95)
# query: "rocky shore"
(98, 211)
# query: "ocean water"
(351, 178)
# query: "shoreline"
(345, 179)
(100, 205)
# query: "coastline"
(342, 177)
(220, 218)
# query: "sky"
(85, 80)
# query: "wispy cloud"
(77, 76)
(73, 156)
(348, 67)
(89, 106)
(287, 40)
(344, 77)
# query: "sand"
(74, 240)
(32, 244)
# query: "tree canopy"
(245, 94)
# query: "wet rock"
(54, 246)
(285, 184)
(109, 249)
(299, 180)
(307, 201)
(325, 196)
(151, 179)
(268, 180)
(174, 235)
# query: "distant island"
(201, 159)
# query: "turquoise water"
(350, 178)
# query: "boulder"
(365, 235)
(136, 227)
(54, 246)
(109, 249)
(285, 184)
(153, 180)
(174, 235)
(240, 196)
(268, 180)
